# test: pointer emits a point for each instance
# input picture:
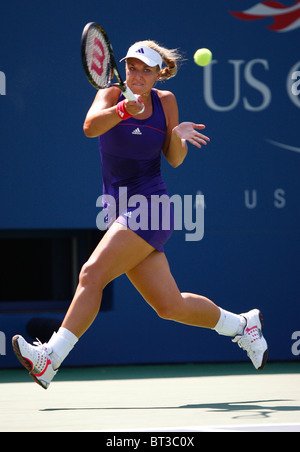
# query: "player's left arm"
(175, 146)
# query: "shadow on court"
(253, 408)
(154, 397)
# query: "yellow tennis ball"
(203, 57)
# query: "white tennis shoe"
(252, 340)
(36, 359)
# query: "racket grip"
(130, 96)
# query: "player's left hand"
(186, 132)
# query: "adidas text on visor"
(145, 54)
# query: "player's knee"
(90, 275)
(168, 312)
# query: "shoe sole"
(266, 354)
(27, 364)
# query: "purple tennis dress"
(131, 165)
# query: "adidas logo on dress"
(137, 132)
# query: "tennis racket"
(99, 62)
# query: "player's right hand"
(135, 107)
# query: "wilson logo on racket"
(97, 57)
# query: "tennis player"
(131, 143)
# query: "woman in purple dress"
(132, 136)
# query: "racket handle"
(130, 96)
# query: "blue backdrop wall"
(249, 174)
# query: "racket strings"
(98, 58)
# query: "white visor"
(145, 54)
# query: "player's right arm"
(102, 116)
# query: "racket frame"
(114, 68)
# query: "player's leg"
(154, 281)
(118, 252)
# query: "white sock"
(230, 324)
(60, 344)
